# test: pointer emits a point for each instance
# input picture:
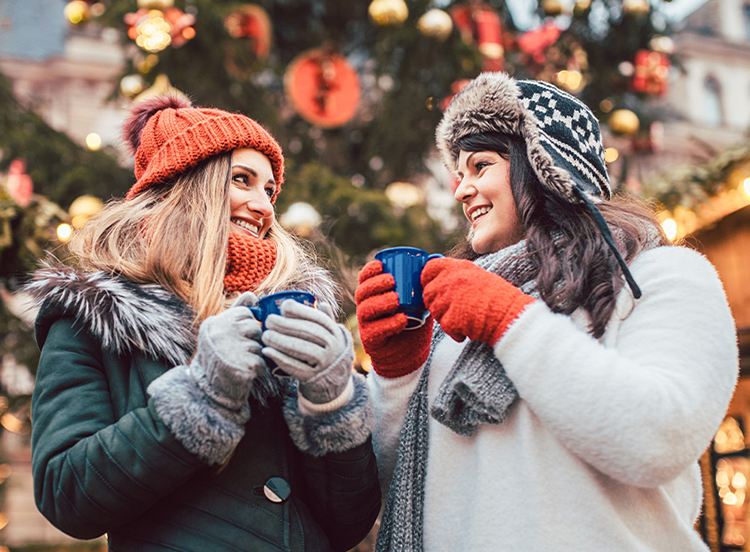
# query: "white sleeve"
(390, 397)
(644, 407)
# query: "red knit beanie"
(168, 136)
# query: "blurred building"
(706, 108)
(711, 99)
(66, 74)
(712, 92)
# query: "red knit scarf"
(249, 261)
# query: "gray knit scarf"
(476, 391)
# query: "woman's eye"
(480, 165)
(270, 192)
(240, 178)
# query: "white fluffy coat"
(600, 452)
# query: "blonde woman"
(155, 417)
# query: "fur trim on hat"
(562, 135)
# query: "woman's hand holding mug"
(394, 350)
(468, 301)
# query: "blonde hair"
(176, 236)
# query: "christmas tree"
(354, 91)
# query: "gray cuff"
(204, 428)
(336, 431)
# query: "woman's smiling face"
(250, 192)
(484, 189)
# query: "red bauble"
(651, 72)
(323, 88)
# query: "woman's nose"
(260, 203)
(464, 190)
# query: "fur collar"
(127, 317)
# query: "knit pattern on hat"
(562, 135)
(175, 139)
(249, 261)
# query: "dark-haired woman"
(578, 365)
(155, 418)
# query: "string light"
(153, 29)
(670, 228)
(93, 141)
(746, 185)
(64, 231)
(152, 32)
(11, 423)
(611, 155)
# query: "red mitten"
(468, 301)
(394, 351)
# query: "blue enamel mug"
(271, 304)
(406, 264)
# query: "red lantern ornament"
(251, 21)
(323, 88)
(535, 42)
(651, 72)
(480, 25)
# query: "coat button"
(277, 489)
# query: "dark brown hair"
(573, 265)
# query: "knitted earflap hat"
(563, 140)
(562, 135)
(168, 136)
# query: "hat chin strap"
(607, 235)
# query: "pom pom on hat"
(142, 111)
(169, 137)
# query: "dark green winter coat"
(104, 462)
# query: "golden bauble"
(404, 194)
(155, 4)
(82, 209)
(131, 85)
(553, 8)
(77, 12)
(636, 7)
(581, 6)
(436, 24)
(388, 12)
(624, 121)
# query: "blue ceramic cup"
(271, 304)
(406, 264)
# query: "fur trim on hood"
(127, 317)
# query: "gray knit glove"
(308, 345)
(228, 356)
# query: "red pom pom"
(142, 111)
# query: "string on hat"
(607, 235)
